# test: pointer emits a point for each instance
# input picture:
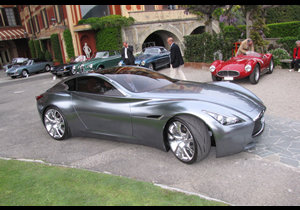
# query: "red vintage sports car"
(251, 65)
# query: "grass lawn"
(35, 184)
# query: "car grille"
(259, 124)
(228, 73)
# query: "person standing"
(246, 45)
(296, 58)
(127, 54)
(176, 60)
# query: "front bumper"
(236, 138)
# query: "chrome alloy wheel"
(181, 141)
(54, 123)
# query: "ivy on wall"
(69, 43)
(109, 39)
(109, 35)
(56, 48)
(32, 48)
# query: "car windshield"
(100, 55)
(137, 79)
(254, 54)
(79, 58)
(29, 62)
(151, 51)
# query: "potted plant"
(56, 62)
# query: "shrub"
(283, 29)
(288, 43)
(279, 54)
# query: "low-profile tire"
(188, 139)
(254, 76)
(55, 123)
(271, 66)
(24, 73)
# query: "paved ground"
(267, 175)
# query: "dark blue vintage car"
(152, 58)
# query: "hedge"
(201, 47)
(283, 29)
(277, 30)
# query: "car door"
(101, 107)
(112, 59)
(165, 56)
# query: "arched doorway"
(198, 30)
(159, 38)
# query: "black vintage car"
(66, 69)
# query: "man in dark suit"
(176, 60)
(127, 54)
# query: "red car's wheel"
(254, 77)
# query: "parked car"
(15, 62)
(138, 105)
(67, 68)
(32, 66)
(251, 65)
(99, 60)
(152, 58)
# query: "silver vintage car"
(138, 105)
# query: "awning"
(12, 33)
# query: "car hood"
(234, 63)
(144, 57)
(95, 60)
(223, 93)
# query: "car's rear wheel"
(188, 139)
(47, 68)
(254, 77)
(55, 123)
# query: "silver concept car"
(138, 105)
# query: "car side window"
(111, 53)
(97, 85)
(71, 85)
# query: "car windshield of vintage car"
(151, 51)
(254, 54)
(100, 55)
(29, 62)
(138, 79)
(80, 58)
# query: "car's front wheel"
(188, 139)
(151, 66)
(271, 66)
(24, 73)
(254, 76)
(55, 123)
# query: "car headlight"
(248, 68)
(225, 120)
(143, 63)
(212, 68)
(120, 63)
